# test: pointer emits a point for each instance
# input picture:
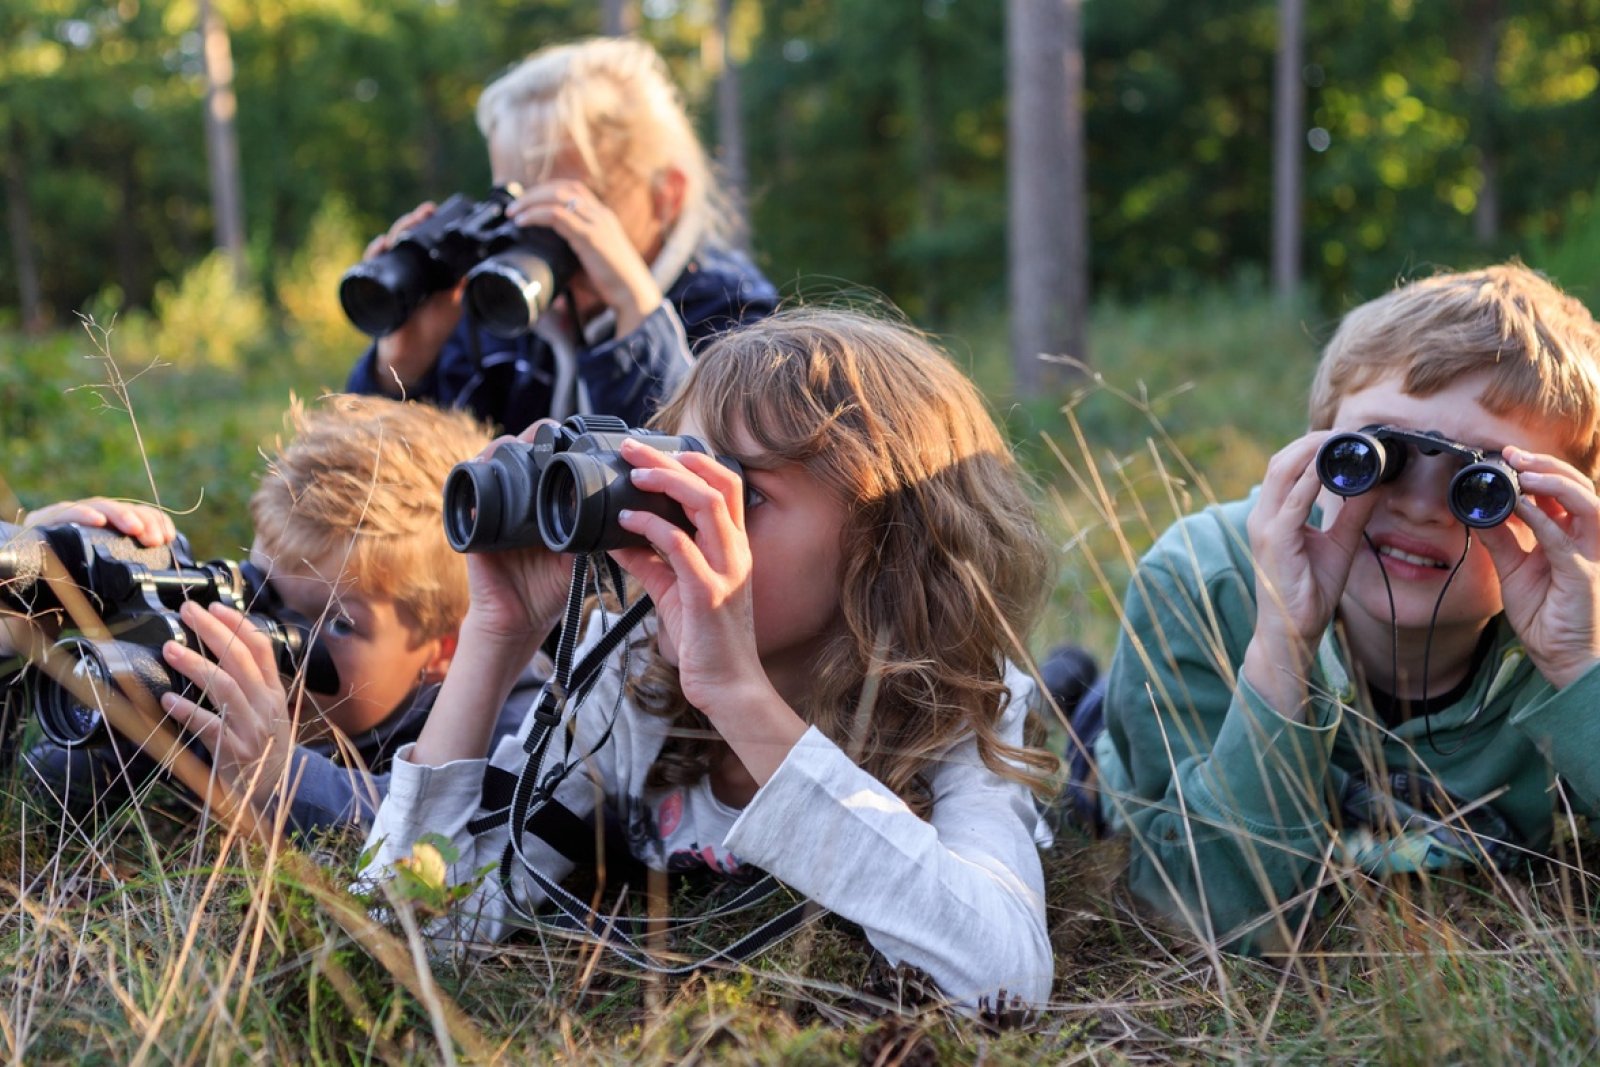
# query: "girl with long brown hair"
(828, 692)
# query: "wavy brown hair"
(944, 565)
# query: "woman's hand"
(148, 525)
(250, 732)
(1300, 571)
(1551, 591)
(408, 353)
(612, 265)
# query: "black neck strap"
(532, 807)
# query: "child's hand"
(410, 351)
(516, 595)
(1551, 591)
(1300, 571)
(145, 524)
(612, 267)
(251, 732)
(700, 583)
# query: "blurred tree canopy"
(874, 134)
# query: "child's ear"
(439, 663)
(667, 193)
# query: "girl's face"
(794, 524)
(373, 641)
(1417, 537)
(630, 197)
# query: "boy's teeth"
(1407, 557)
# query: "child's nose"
(1421, 493)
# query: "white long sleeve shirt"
(960, 895)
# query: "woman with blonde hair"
(595, 136)
(827, 693)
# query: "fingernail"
(169, 701)
(625, 514)
(640, 475)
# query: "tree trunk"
(19, 223)
(222, 145)
(1287, 140)
(730, 123)
(1048, 217)
(1484, 113)
(929, 167)
(618, 18)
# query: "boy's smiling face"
(374, 642)
(1412, 527)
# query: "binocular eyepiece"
(1483, 493)
(564, 490)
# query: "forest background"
(869, 140)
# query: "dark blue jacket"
(330, 787)
(511, 382)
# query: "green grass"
(152, 939)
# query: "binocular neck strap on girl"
(528, 803)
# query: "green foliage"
(83, 419)
(1573, 257)
(317, 334)
(874, 135)
(881, 126)
(204, 320)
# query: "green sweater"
(1236, 815)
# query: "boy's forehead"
(1457, 412)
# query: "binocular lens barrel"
(1483, 494)
(70, 716)
(1350, 464)
(509, 292)
(464, 507)
(379, 295)
(488, 504)
(578, 498)
(71, 712)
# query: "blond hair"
(944, 565)
(612, 100)
(364, 475)
(1539, 345)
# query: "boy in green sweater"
(1341, 674)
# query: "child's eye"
(753, 497)
(340, 626)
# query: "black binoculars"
(1483, 493)
(512, 272)
(565, 489)
(135, 592)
